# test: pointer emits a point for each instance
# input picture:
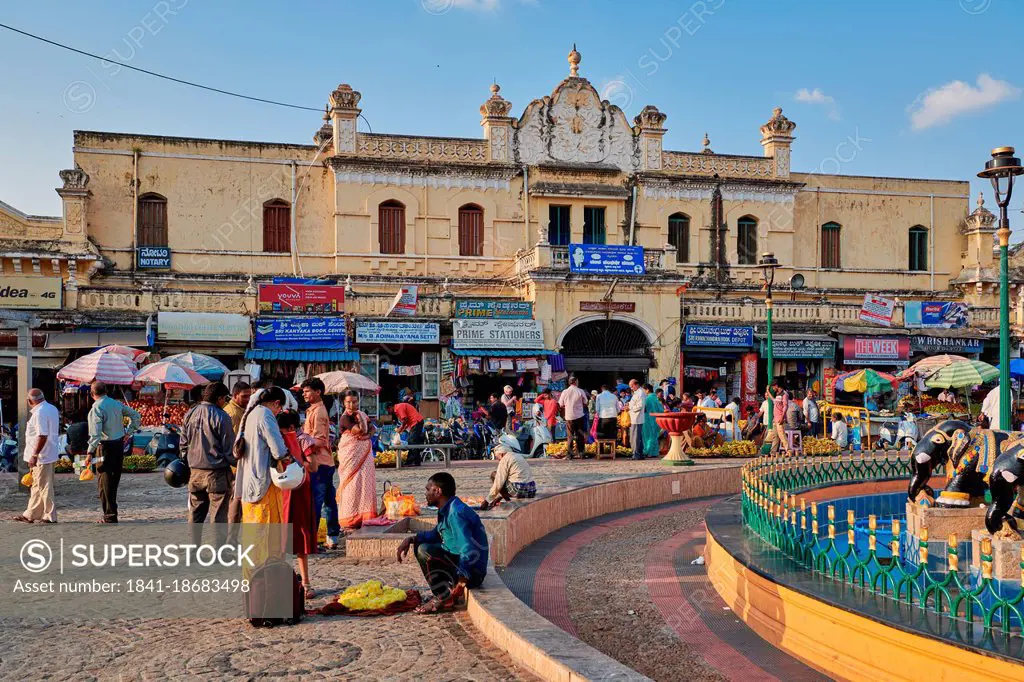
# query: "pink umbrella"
(110, 368)
(132, 353)
(170, 375)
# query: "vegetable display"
(139, 464)
(561, 448)
(153, 414)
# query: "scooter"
(8, 450)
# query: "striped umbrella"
(170, 375)
(110, 368)
(928, 366)
(865, 381)
(127, 351)
(962, 375)
(211, 368)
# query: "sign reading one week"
(301, 298)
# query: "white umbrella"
(211, 368)
(339, 382)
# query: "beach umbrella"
(865, 381)
(962, 375)
(339, 382)
(170, 376)
(110, 368)
(211, 368)
(928, 366)
(134, 354)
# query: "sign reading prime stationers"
(493, 309)
(511, 334)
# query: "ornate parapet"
(721, 165)
(422, 149)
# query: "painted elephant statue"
(1005, 481)
(971, 453)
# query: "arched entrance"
(600, 350)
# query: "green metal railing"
(772, 508)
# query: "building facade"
(498, 228)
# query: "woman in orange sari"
(357, 476)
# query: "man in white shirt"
(708, 401)
(573, 402)
(607, 407)
(812, 415)
(41, 436)
(636, 418)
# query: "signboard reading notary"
(607, 307)
(44, 293)
(510, 310)
(153, 257)
(715, 335)
(511, 334)
(301, 299)
(606, 259)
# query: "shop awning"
(499, 352)
(302, 355)
(127, 337)
(41, 359)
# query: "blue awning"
(302, 355)
(499, 353)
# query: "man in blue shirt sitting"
(453, 556)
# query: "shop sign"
(606, 259)
(876, 350)
(405, 301)
(203, 327)
(301, 332)
(476, 308)
(153, 257)
(935, 314)
(607, 307)
(301, 299)
(496, 334)
(44, 293)
(427, 333)
(748, 379)
(877, 310)
(932, 344)
(802, 349)
(714, 335)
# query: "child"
(297, 504)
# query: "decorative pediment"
(574, 125)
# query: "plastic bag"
(86, 474)
(26, 480)
(396, 439)
(321, 533)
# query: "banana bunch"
(387, 458)
(820, 446)
(735, 448)
(558, 449)
(64, 465)
(372, 594)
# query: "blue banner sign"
(301, 332)
(935, 314)
(606, 259)
(153, 257)
(714, 335)
(496, 309)
(428, 333)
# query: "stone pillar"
(777, 139)
(344, 112)
(497, 126)
(650, 123)
(75, 195)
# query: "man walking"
(317, 426)
(636, 418)
(108, 436)
(573, 402)
(607, 407)
(235, 407)
(40, 454)
(206, 440)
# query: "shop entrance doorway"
(603, 351)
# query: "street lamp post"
(768, 263)
(1001, 170)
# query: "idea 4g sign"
(40, 293)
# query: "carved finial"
(981, 219)
(348, 285)
(344, 97)
(574, 62)
(250, 287)
(777, 124)
(981, 200)
(495, 88)
(707, 145)
(496, 105)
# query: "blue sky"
(926, 87)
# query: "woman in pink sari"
(357, 477)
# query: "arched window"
(391, 227)
(918, 248)
(277, 226)
(679, 236)
(152, 220)
(830, 250)
(746, 240)
(471, 230)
